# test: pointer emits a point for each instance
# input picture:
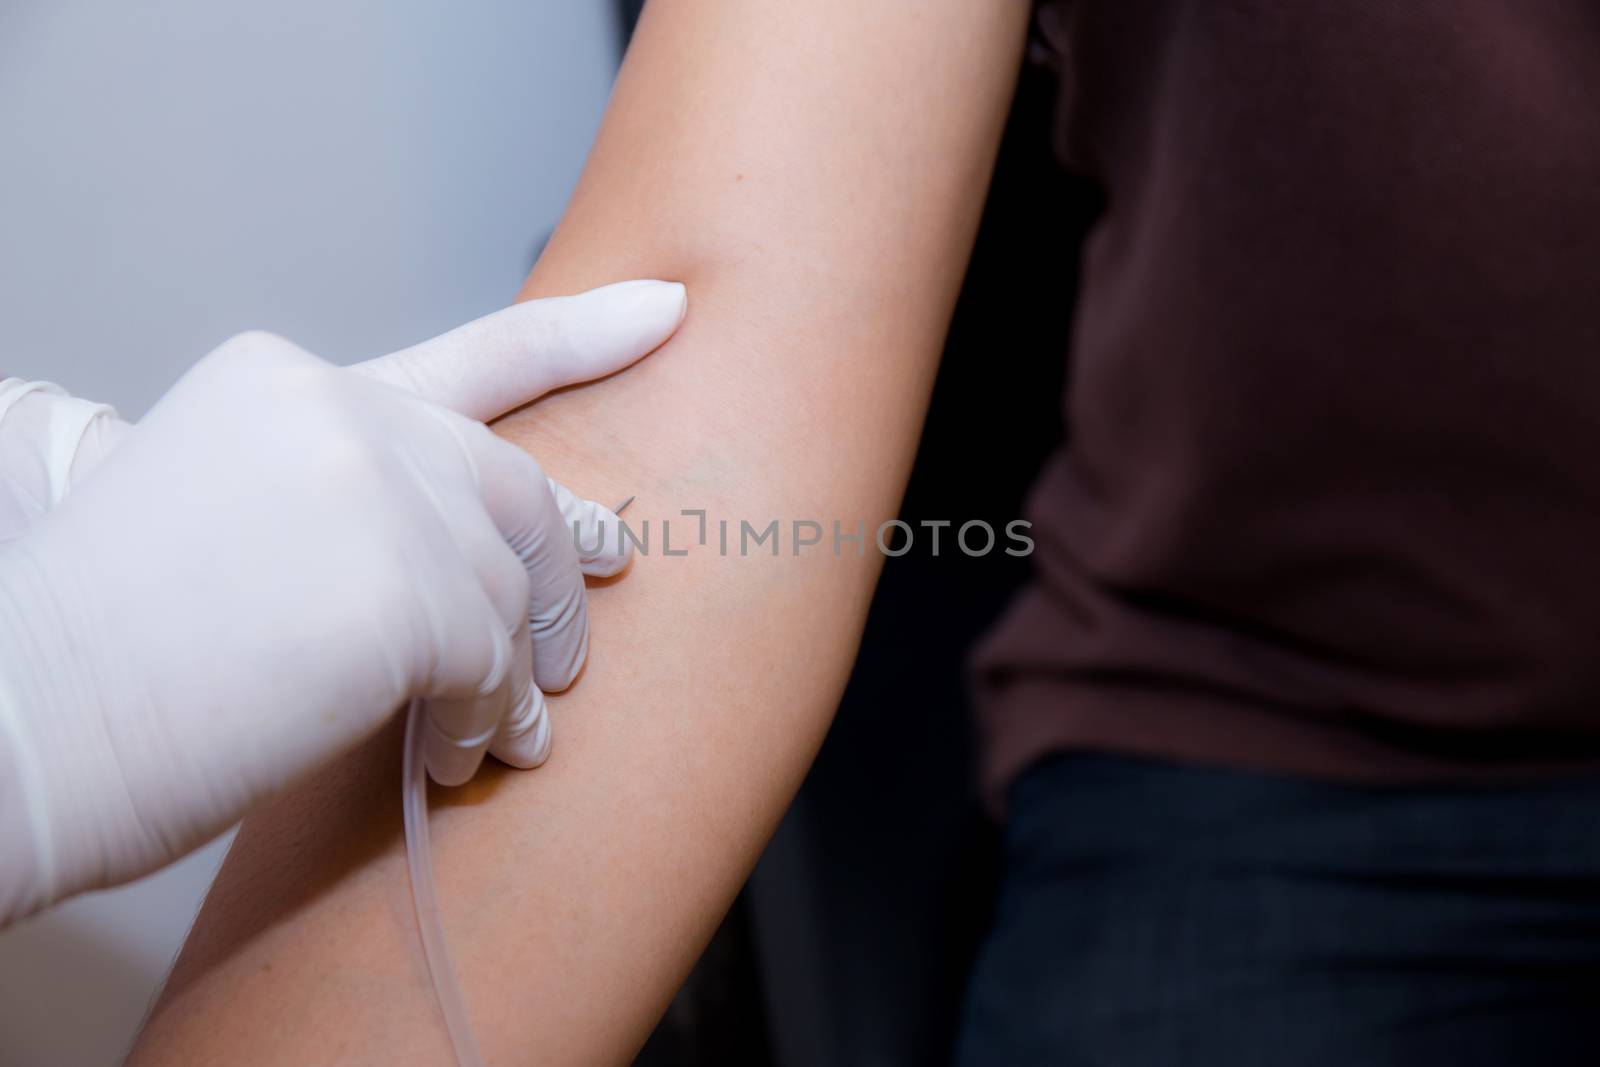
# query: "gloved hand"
(257, 575)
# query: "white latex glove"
(271, 563)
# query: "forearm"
(577, 896)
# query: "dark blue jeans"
(1153, 914)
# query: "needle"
(618, 509)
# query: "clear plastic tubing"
(419, 858)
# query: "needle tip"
(618, 509)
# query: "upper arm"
(814, 173)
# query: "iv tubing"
(419, 859)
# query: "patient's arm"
(813, 171)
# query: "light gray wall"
(353, 174)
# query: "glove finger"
(524, 736)
(518, 499)
(502, 361)
(465, 714)
(602, 551)
(452, 755)
(463, 724)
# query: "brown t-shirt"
(1330, 498)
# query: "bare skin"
(813, 172)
